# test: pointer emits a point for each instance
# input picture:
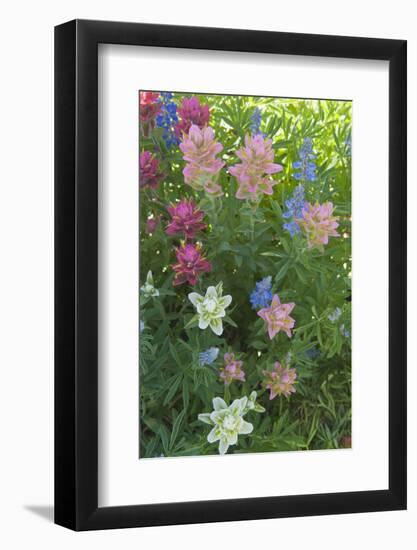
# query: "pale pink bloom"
(232, 369)
(318, 224)
(280, 381)
(199, 150)
(254, 173)
(277, 317)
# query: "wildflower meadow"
(245, 274)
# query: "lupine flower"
(186, 219)
(334, 315)
(254, 173)
(255, 121)
(318, 224)
(149, 172)
(262, 295)
(149, 107)
(191, 112)
(208, 357)
(306, 163)
(280, 381)
(199, 150)
(227, 421)
(211, 308)
(295, 205)
(343, 331)
(151, 224)
(167, 119)
(232, 369)
(312, 353)
(277, 317)
(141, 326)
(148, 289)
(190, 263)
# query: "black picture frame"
(76, 272)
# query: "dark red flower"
(186, 219)
(191, 112)
(149, 107)
(149, 172)
(190, 264)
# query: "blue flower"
(141, 326)
(312, 353)
(167, 118)
(348, 144)
(208, 357)
(306, 164)
(262, 295)
(256, 121)
(344, 332)
(334, 316)
(295, 205)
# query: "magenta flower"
(149, 173)
(318, 224)
(190, 264)
(232, 369)
(186, 219)
(199, 150)
(277, 317)
(254, 173)
(152, 224)
(149, 107)
(280, 381)
(191, 112)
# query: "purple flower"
(186, 219)
(190, 264)
(232, 369)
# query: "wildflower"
(232, 369)
(149, 107)
(318, 224)
(167, 119)
(152, 223)
(255, 121)
(306, 163)
(343, 331)
(141, 326)
(253, 174)
(211, 308)
(208, 357)
(199, 150)
(186, 219)
(190, 264)
(191, 113)
(262, 295)
(348, 145)
(334, 315)
(277, 317)
(295, 205)
(280, 381)
(312, 353)
(228, 422)
(148, 289)
(149, 172)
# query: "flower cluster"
(232, 369)
(306, 162)
(148, 289)
(208, 356)
(191, 112)
(186, 219)
(253, 174)
(256, 119)
(200, 150)
(318, 224)
(167, 119)
(211, 308)
(295, 206)
(149, 107)
(280, 381)
(190, 263)
(262, 295)
(277, 317)
(150, 174)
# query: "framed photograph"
(230, 247)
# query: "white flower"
(228, 422)
(211, 308)
(148, 288)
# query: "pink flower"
(199, 150)
(318, 224)
(149, 172)
(232, 369)
(280, 381)
(253, 174)
(149, 107)
(190, 264)
(277, 317)
(191, 112)
(152, 224)
(186, 219)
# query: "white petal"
(245, 427)
(232, 439)
(211, 292)
(203, 323)
(219, 404)
(205, 417)
(194, 298)
(223, 446)
(216, 326)
(212, 436)
(226, 300)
